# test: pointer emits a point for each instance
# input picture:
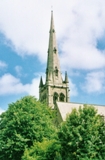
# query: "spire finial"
(51, 8)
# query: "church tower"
(54, 89)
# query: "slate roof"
(65, 108)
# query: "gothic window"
(56, 71)
(62, 97)
(55, 97)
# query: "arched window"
(55, 97)
(62, 97)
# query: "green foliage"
(24, 122)
(45, 150)
(82, 135)
(27, 132)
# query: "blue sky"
(24, 35)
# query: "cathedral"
(55, 91)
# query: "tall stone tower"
(54, 89)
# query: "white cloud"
(11, 85)
(79, 24)
(80, 46)
(94, 82)
(87, 57)
(2, 64)
(18, 70)
(73, 88)
(34, 88)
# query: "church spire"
(54, 89)
(53, 66)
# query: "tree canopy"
(45, 150)
(27, 133)
(82, 135)
(26, 121)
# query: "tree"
(27, 120)
(45, 150)
(82, 135)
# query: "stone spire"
(53, 67)
(54, 89)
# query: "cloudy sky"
(24, 34)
